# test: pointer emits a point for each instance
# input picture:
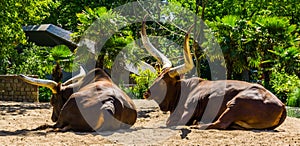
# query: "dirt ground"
(16, 119)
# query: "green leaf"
(60, 52)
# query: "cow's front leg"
(175, 118)
(172, 120)
(181, 116)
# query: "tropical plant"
(231, 34)
(287, 59)
(294, 98)
(284, 85)
(106, 47)
(142, 82)
(40, 61)
(66, 18)
(63, 56)
(271, 32)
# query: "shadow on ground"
(15, 109)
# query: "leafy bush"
(143, 81)
(44, 94)
(294, 98)
(32, 60)
(93, 19)
(14, 14)
(286, 87)
(40, 61)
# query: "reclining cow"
(93, 103)
(242, 105)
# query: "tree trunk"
(198, 36)
(57, 73)
(267, 79)
(229, 69)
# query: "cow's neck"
(175, 96)
(184, 89)
(190, 84)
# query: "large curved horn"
(152, 50)
(76, 78)
(40, 82)
(188, 61)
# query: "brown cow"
(223, 104)
(92, 103)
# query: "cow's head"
(61, 91)
(164, 87)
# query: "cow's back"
(222, 94)
(203, 90)
(119, 109)
(98, 105)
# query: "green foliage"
(143, 81)
(262, 43)
(287, 59)
(40, 61)
(259, 34)
(68, 10)
(93, 19)
(294, 98)
(286, 87)
(61, 54)
(229, 31)
(270, 33)
(44, 94)
(32, 60)
(13, 15)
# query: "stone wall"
(14, 89)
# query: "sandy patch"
(17, 118)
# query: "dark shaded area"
(23, 132)
(50, 129)
(144, 113)
(184, 133)
(15, 109)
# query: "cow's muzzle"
(54, 118)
